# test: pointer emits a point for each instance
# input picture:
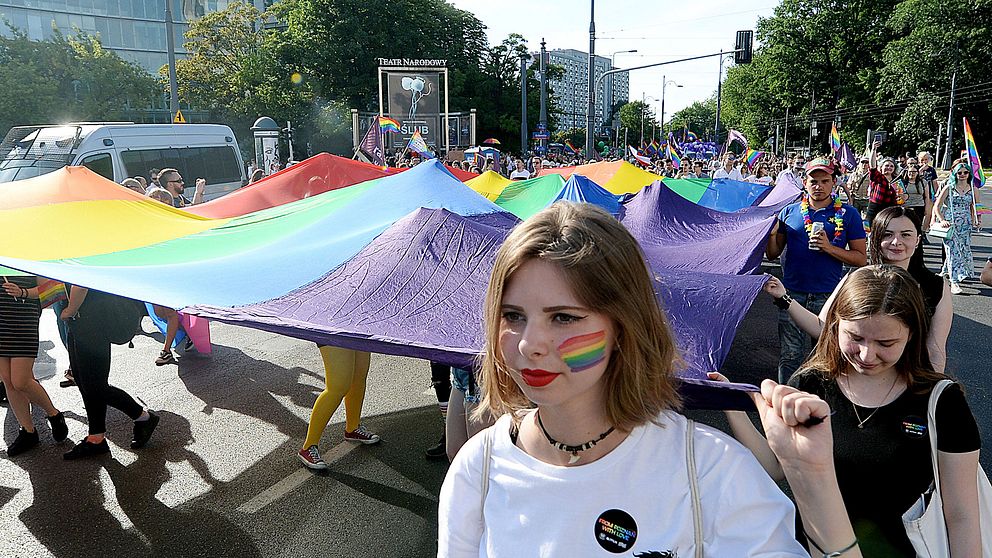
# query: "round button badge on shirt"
(616, 531)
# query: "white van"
(118, 150)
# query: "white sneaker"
(955, 288)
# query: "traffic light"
(743, 47)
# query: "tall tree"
(699, 118)
(67, 78)
(936, 39)
(637, 116)
(819, 58)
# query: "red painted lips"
(538, 378)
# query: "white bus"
(118, 150)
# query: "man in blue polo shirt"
(812, 264)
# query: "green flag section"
(527, 197)
(691, 189)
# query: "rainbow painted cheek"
(583, 351)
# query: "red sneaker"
(311, 458)
(362, 436)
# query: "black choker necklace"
(574, 450)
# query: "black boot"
(438, 451)
(23, 442)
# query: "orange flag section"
(74, 212)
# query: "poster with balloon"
(414, 100)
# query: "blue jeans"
(795, 344)
(58, 307)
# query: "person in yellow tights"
(345, 372)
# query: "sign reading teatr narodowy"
(415, 62)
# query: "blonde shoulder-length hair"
(604, 266)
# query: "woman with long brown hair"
(871, 366)
(589, 454)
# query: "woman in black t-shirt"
(896, 241)
(871, 366)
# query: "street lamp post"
(644, 99)
(523, 104)
(170, 40)
(719, 92)
(663, 84)
(591, 105)
(613, 64)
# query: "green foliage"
(935, 38)
(575, 135)
(66, 78)
(699, 117)
(241, 65)
(239, 69)
(882, 64)
(633, 115)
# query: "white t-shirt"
(634, 500)
(524, 174)
(734, 174)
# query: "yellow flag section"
(619, 177)
(74, 212)
(489, 184)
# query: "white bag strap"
(697, 512)
(932, 428)
(486, 458)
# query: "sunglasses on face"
(963, 173)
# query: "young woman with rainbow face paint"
(589, 451)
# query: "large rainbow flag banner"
(382, 265)
(977, 174)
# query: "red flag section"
(318, 174)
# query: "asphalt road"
(220, 476)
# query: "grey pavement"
(220, 476)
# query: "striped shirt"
(19, 321)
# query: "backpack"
(117, 317)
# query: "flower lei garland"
(837, 220)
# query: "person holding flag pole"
(954, 213)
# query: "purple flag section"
(783, 193)
(417, 290)
(678, 234)
(371, 144)
(847, 157)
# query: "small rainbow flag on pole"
(752, 156)
(50, 292)
(977, 174)
(418, 145)
(572, 148)
(387, 124)
(834, 139)
(673, 152)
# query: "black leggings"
(89, 357)
(441, 380)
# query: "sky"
(659, 30)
